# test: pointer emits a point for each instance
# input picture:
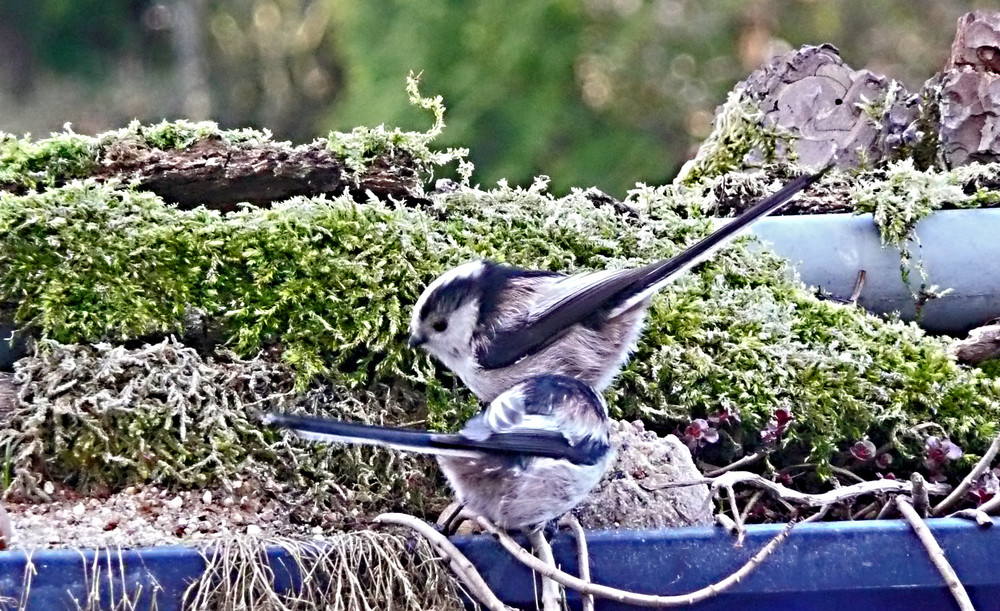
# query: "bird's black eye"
(440, 325)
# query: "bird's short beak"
(416, 340)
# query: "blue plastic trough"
(842, 566)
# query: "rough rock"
(634, 492)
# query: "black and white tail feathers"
(532, 443)
(655, 276)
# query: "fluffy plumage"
(495, 325)
(532, 455)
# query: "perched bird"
(532, 455)
(495, 325)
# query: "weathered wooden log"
(982, 344)
(219, 175)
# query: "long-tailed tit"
(532, 455)
(495, 325)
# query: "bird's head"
(447, 312)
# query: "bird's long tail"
(538, 443)
(659, 274)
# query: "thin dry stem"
(839, 495)
(936, 553)
(350, 571)
(582, 557)
(457, 562)
(550, 589)
(749, 459)
(623, 596)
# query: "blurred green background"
(591, 92)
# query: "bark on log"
(968, 92)
(829, 107)
(982, 344)
(219, 175)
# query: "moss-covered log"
(326, 284)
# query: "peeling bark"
(831, 109)
(968, 92)
(220, 176)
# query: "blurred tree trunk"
(189, 49)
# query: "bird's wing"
(539, 426)
(567, 301)
(574, 299)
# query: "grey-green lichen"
(106, 416)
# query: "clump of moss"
(363, 145)
(739, 139)
(26, 164)
(108, 417)
(328, 283)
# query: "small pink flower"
(724, 416)
(700, 432)
(863, 450)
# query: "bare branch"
(979, 516)
(459, 564)
(920, 501)
(749, 459)
(550, 589)
(858, 285)
(936, 553)
(623, 596)
(582, 557)
(839, 495)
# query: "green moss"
(178, 135)
(26, 164)
(329, 284)
(739, 139)
(360, 147)
(30, 164)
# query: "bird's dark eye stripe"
(440, 325)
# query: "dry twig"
(749, 459)
(980, 517)
(582, 557)
(459, 564)
(859, 284)
(623, 596)
(839, 495)
(551, 593)
(935, 552)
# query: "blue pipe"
(960, 250)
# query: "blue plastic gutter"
(960, 250)
(836, 566)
